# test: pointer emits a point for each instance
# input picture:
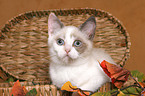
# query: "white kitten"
(73, 57)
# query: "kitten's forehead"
(69, 34)
(69, 30)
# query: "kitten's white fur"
(84, 70)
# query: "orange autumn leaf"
(142, 84)
(24, 89)
(68, 87)
(18, 90)
(143, 93)
(117, 74)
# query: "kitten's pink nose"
(67, 51)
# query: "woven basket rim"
(75, 11)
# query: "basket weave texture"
(23, 40)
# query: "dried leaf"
(117, 74)
(129, 82)
(68, 87)
(18, 90)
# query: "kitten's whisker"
(81, 57)
(52, 55)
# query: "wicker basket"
(23, 43)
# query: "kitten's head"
(69, 43)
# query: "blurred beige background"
(130, 12)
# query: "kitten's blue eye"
(77, 43)
(60, 41)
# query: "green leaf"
(138, 74)
(121, 94)
(102, 94)
(32, 92)
(10, 80)
(143, 78)
(132, 91)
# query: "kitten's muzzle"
(67, 50)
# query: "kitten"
(73, 57)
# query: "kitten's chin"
(67, 60)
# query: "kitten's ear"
(89, 27)
(53, 23)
